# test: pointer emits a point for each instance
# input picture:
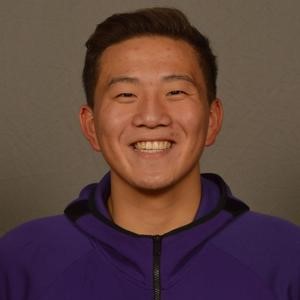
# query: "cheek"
(194, 121)
(110, 124)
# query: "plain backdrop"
(44, 159)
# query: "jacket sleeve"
(18, 253)
(294, 287)
(12, 277)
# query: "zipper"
(156, 266)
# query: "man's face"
(151, 118)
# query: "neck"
(154, 213)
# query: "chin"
(153, 185)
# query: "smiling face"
(151, 118)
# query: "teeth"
(152, 146)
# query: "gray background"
(45, 160)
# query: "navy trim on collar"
(83, 207)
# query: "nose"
(152, 112)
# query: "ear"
(87, 123)
(215, 121)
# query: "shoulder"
(260, 232)
(38, 251)
(55, 231)
(269, 246)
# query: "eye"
(126, 95)
(176, 92)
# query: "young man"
(153, 228)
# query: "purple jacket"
(228, 252)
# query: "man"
(153, 228)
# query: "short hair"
(158, 21)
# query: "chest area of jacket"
(207, 274)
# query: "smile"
(152, 146)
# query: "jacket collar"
(209, 198)
(132, 253)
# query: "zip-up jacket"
(227, 252)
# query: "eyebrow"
(127, 79)
(135, 80)
(174, 77)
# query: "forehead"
(149, 55)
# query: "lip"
(152, 140)
(155, 154)
(154, 150)
(158, 139)
(152, 155)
